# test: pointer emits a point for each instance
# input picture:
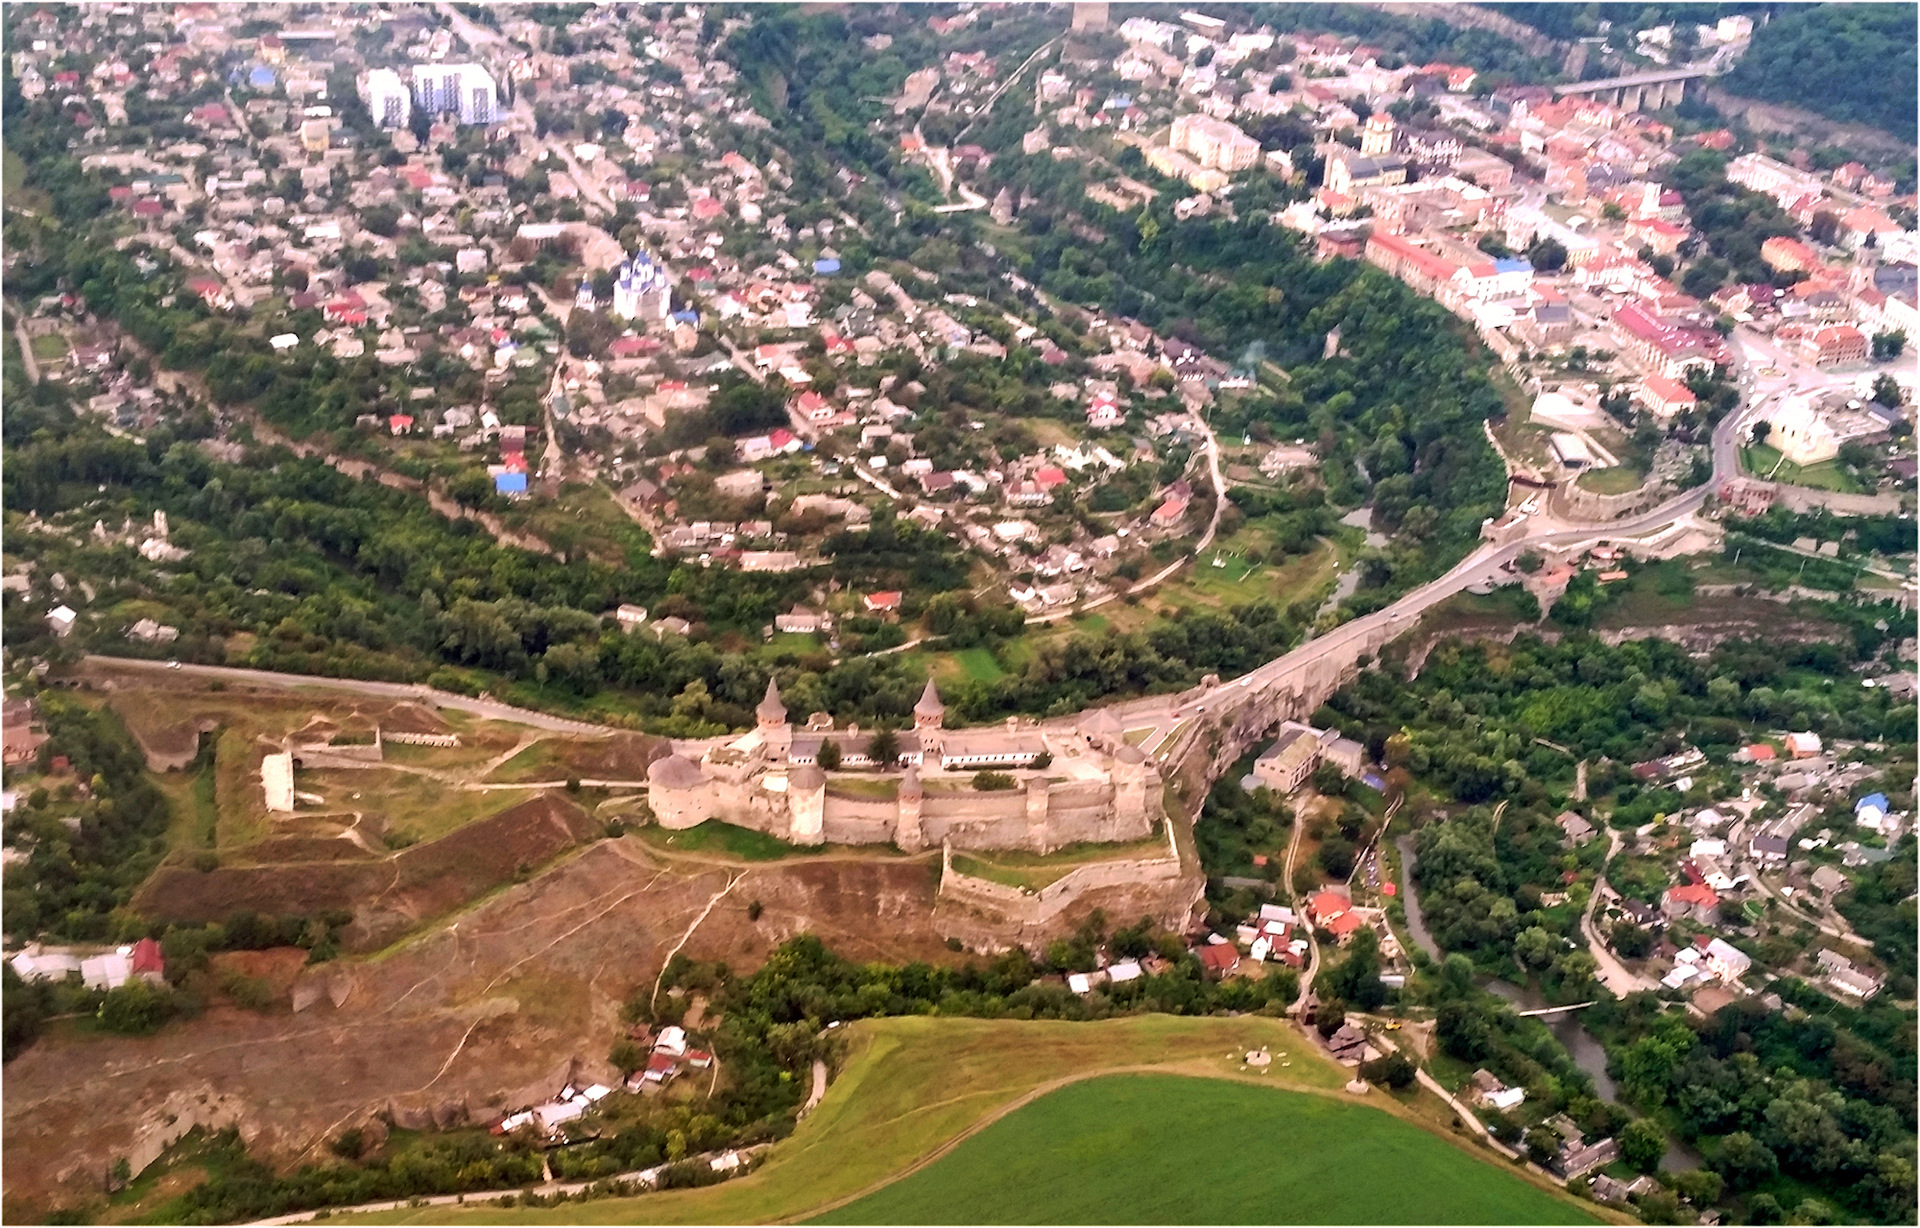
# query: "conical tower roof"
(930, 705)
(772, 709)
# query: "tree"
(828, 756)
(990, 782)
(1329, 780)
(884, 749)
(1330, 1016)
(1534, 947)
(1761, 430)
(1631, 941)
(1886, 389)
(627, 1057)
(136, 1008)
(1642, 1144)
(1394, 1070)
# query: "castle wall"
(984, 912)
(860, 821)
(976, 820)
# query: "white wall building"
(387, 98)
(1214, 143)
(1802, 434)
(466, 90)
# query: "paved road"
(488, 709)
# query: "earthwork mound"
(388, 896)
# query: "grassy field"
(49, 346)
(1760, 460)
(1033, 871)
(1615, 480)
(13, 186)
(1161, 1149)
(979, 664)
(725, 839)
(911, 1085)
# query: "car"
(173, 665)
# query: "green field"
(1614, 480)
(979, 664)
(724, 839)
(1163, 1149)
(911, 1086)
(48, 347)
(1760, 460)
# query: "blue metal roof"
(510, 483)
(261, 77)
(1877, 800)
(828, 265)
(1512, 266)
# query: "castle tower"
(907, 833)
(807, 805)
(1131, 769)
(1376, 138)
(1039, 799)
(928, 716)
(772, 719)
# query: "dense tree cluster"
(1853, 63)
(91, 834)
(1734, 221)
(1822, 1096)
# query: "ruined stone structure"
(1092, 788)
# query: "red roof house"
(148, 963)
(1219, 957)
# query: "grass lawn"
(880, 789)
(714, 836)
(49, 346)
(1760, 460)
(1616, 480)
(1033, 871)
(13, 185)
(910, 1085)
(1154, 1149)
(979, 664)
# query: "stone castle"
(1072, 783)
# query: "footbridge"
(1649, 90)
(1554, 1010)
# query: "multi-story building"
(1661, 348)
(1789, 255)
(466, 90)
(1776, 179)
(1419, 268)
(1214, 143)
(387, 98)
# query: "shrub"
(988, 782)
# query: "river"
(1587, 1053)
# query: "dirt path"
(704, 913)
(26, 349)
(819, 1087)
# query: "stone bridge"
(1231, 719)
(1653, 90)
